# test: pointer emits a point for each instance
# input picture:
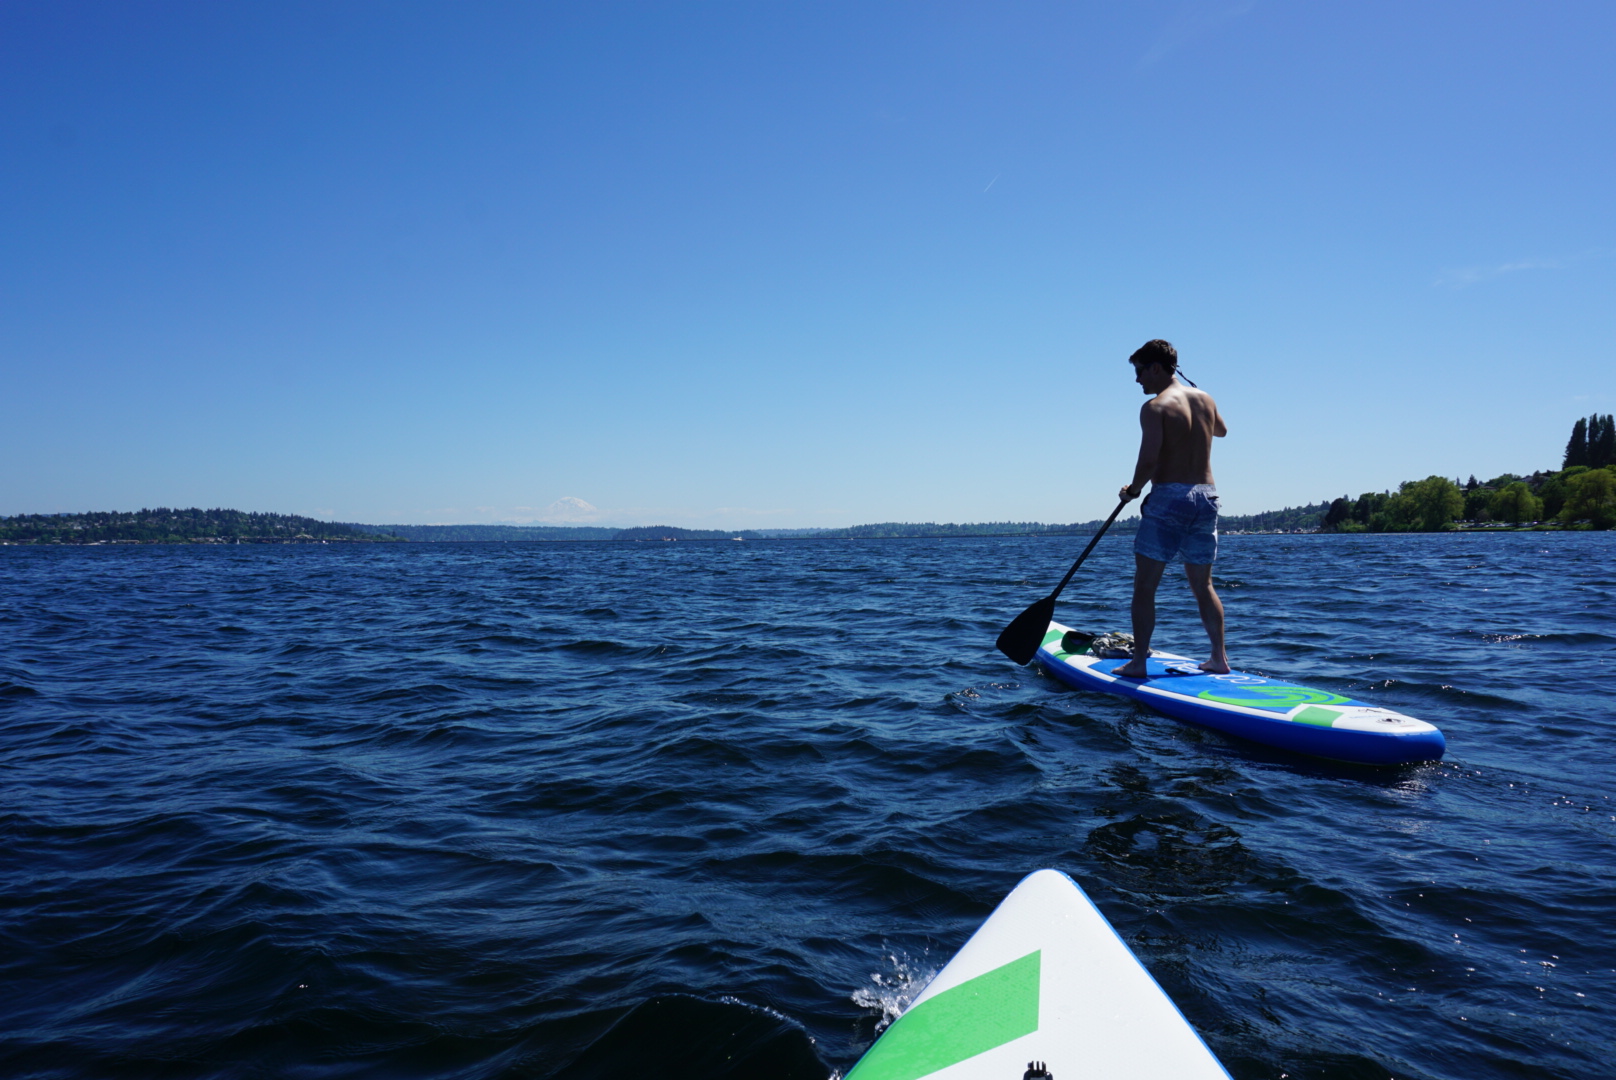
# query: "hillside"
(166, 526)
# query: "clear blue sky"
(789, 264)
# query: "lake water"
(458, 810)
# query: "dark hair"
(1156, 352)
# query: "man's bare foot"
(1218, 665)
(1133, 669)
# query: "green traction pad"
(969, 1019)
(1315, 715)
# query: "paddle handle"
(1088, 549)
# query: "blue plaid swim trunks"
(1179, 520)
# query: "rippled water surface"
(716, 809)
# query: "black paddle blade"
(1020, 640)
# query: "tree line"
(1580, 494)
(492, 533)
(886, 530)
(895, 529)
(1290, 519)
(163, 525)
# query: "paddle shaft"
(1020, 640)
(1088, 549)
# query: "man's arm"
(1150, 443)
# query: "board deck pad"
(1279, 713)
(1044, 979)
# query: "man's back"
(1180, 519)
(1189, 421)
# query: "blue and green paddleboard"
(1281, 714)
(1045, 988)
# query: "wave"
(679, 1037)
(419, 814)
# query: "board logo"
(1281, 698)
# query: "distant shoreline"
(221, 526)
(350, 541)
(232, 527)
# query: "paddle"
(1020, 640)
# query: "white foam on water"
(891, 991)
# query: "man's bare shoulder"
(1170, 400)
(1204, 404)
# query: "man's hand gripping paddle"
(1020, 640)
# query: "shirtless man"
(1180, 518)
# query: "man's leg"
(1206, 598)
(1147, 574)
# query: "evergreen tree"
(1577, 449)
(1340, 510)
(1602, 446)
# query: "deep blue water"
(458, 810)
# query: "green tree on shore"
(1555, 487)
(1516, 504)
(1429, 505)
(1581, 494)
(1368, 505)
(1591, 497)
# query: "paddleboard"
(1045, 988)
(1280, 714)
